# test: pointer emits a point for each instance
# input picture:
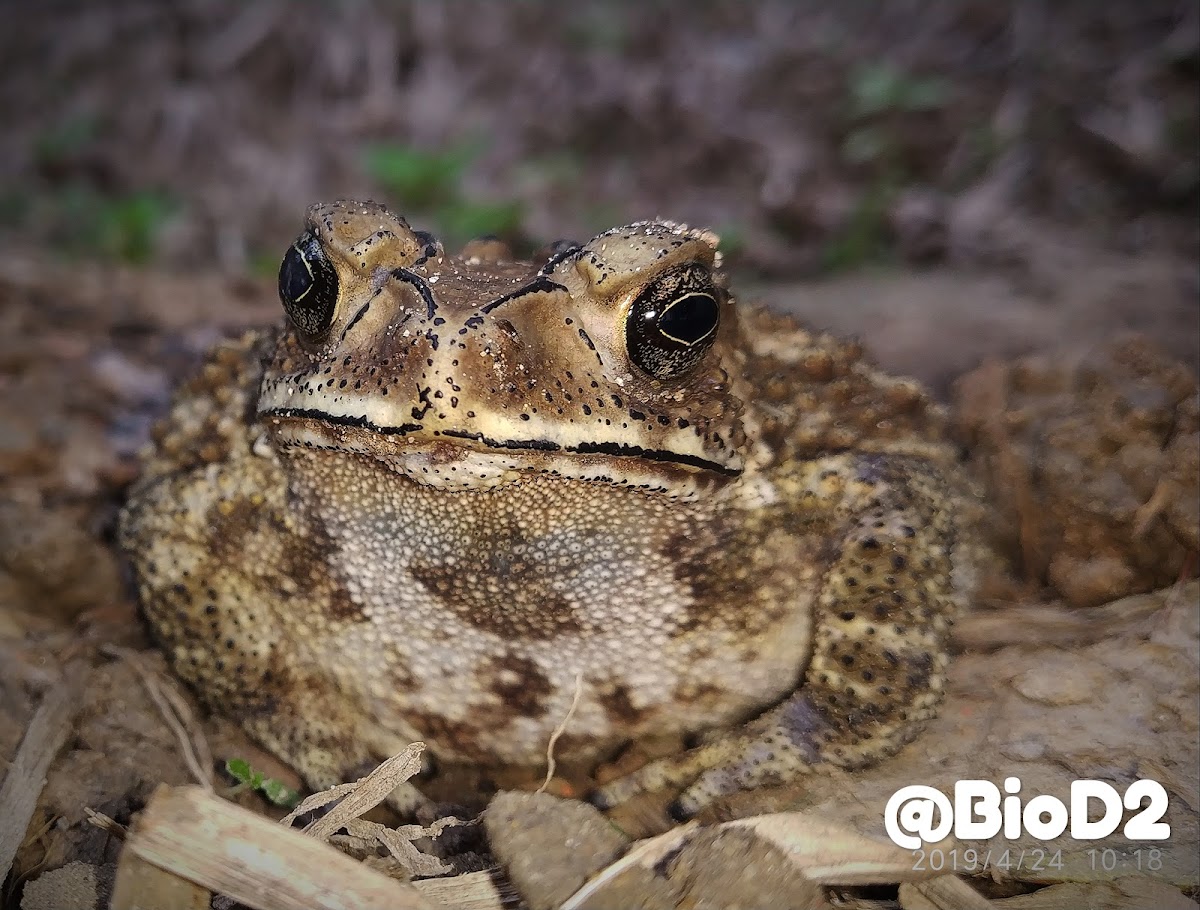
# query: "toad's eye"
(308, 287)
(673, 321)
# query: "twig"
(27, 774)
(105, 823)
(362, 796)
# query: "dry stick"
(230, 850)
(27, 775)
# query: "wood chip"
(486, 890)
(254, 860)
(834, 854)
(823, 852)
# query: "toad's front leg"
(881, 623)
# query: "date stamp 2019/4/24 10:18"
(1035, 859)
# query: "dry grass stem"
(173, 708)
(551, 764)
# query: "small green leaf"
(879, 88)
(864, 238)
(733, 238)
(239, 769)
(68, 137)
(280, 795)
(465, 220)
(874, 88)
(865, 145)
(925, 94)
(272, 789)
(129, 225)
(263, 264)
(418, 178)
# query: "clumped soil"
(999, 198)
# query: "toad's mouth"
(452, 458)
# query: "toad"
(449, 494)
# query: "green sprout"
(430, 183)
(276, 793)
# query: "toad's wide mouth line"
(616, 449)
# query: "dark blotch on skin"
(525, 606)
(619, 707)
(303, 566)
(520, 685)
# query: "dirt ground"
(998, 198)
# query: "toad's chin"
(457, 461)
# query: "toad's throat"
(480, 442)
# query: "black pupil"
(295, 279)
(690, 318)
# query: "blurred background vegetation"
(814, 137)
